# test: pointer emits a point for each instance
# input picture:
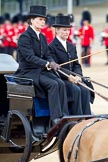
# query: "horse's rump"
(93, 143)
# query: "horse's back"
(93, 143)
(99, 133)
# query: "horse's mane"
(65, 130)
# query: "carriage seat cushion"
(41, 107)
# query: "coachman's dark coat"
(80, 100)
(63, 56)
(60, 56)
(32, 58)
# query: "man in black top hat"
(63, 51)
(35, 62)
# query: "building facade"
(16, 6)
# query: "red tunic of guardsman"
(20, 19)
(14, 35)
(73, 35)
(72, 38)
(25, 23)
(21, 28)
(8, 28)
(86, 33)
(1, 36)
(49, 31)
(104, 36)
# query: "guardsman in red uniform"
(21, 25)
(104, 36)
(7, 28)
(25, 22)
(2, 34)
(72, 38)
(49, 31)
(86, 15)
(86, 33)
(14, 35)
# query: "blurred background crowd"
(13, 25)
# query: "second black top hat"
(62, 21)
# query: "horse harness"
(77, 140)
(102, 160)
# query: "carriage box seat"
(21, 93)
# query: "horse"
(85, 141)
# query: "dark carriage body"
(21, 95)
(18, 102)
(15, 96)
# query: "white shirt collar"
(63, 42)
(37, 32)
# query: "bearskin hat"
(7, 16)
(71, 18)
(86, 15)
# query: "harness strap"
(77, 139)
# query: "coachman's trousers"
(57, 96)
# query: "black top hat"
(39, 11)
(62, 21)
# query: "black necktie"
(41, 45)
